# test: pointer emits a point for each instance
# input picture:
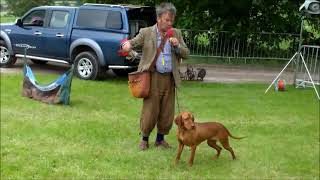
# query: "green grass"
(97, 135)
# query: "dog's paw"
(215, 157)
(176, 162)
(190, 164)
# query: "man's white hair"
(166, 7)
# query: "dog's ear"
(178, 120)
(193, 124)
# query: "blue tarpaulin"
(57, 92)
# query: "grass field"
(97, 135)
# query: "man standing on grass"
(158, 108)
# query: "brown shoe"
(144, 145)
(163, 144)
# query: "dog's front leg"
(193, 151)
(180, 148)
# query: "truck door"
(30, 33)
(58, 34)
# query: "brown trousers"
(158, 108)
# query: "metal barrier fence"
(311, 57)
(307, 71)
(226, 44)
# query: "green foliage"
(7, 19)
(202, 39)
(312, 29)
(19, 7)
(285, 44)
(67, 2)
(96, 137)
(245, 16)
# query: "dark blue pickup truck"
(88, 36)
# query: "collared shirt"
(164, 61)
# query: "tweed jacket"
(147, 39)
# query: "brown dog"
(192, 134)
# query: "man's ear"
(178, 120)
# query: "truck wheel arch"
(86, 44)
(6, 39)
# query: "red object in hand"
(170, 32)
(281, 85)
(122, 52)
(123, 41)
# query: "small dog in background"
(191, 134)
(201, 73)
(191, 74)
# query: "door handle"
(37, 33)
(59, 35)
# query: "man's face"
(165, 21)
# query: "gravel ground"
(215, 73)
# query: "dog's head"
(185, 120)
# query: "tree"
(241, 16)
(19, 7)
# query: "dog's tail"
(235, 137)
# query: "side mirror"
(19, 22)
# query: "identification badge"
(162, 60)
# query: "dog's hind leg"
(225, 144)
(213, 144)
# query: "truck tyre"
(6, 60)
(123, 72)
(87, 66)
(39, 61)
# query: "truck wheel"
(87, 66)
(38, 61)
(6, 60)
(123, 72)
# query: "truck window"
(35, 18)
(92, 18)
(114, 20)
(59, 19)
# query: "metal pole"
(299, 50)
(25, 55)
(301, 31)
(305, 65)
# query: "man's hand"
(126, 46)
(174, 41)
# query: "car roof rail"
(109, 5)
(115, 5)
